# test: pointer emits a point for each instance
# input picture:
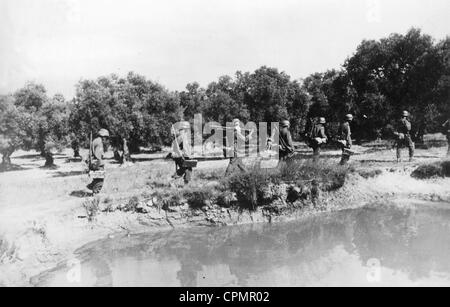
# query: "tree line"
(382, 78)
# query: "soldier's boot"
(187, 176)
(97, 186)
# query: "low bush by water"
(438, 169)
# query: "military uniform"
(236, 162)
(345, 137)
(404, 138)
(181, 150)
(97, 164)
(286, 148)
(318, 132)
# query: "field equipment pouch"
(189, 163)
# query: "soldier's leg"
(188, 175)
(179, 167)
(399, 151)
(316, 153)
(411, 150)
(241, 165)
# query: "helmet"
(103, 133)
(322, 120)
(184, 125)
(236, 121)
(285, 123)
(405, 113)
(349, 117)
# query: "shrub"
(439, 169)
(250, 187)
(427, 171)
(92, 208)
(225, 199)
(366, 174)
(330, 176)
(446, 168)
(200, 197)
(132, 204)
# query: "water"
(377, 245)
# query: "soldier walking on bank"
(286, 148)
(236, 162)
(317, 137)
(404, 137)
(181, 151)
(345, 138)
(96, 162)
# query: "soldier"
(446, 127)
(345, 138)
(286, 148)
(181, 151)
(236, 162)
(317, 138)
(96, 163)
(404, 136)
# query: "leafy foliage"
(32, 120)
(131, 108)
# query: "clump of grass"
(199, 197)
(92, 208)
(209, 175)
(250, 187)
(433, 170)
(132, 204)
(260, 187)
(226, 199)
(329, 176)
(366, 174)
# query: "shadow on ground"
(80, 194)
(11, 168)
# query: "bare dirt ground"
(43, 220)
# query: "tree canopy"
(382, 78)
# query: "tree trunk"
(49, 161)
(76, 153)
(126, 152)
(6, 158)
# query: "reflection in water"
(412, 244)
